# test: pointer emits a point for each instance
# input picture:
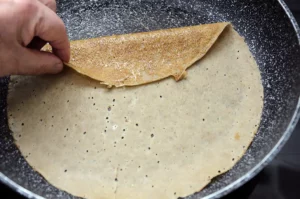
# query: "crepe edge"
(177, 77)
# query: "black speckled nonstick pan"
(269, 29)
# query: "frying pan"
(270, 31)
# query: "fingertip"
(51, 64)
(58, 67)
(64, 54)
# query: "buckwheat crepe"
(165, 139)
(135, 59)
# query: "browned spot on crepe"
(237, 136)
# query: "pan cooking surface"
(266, 28)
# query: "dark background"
(279, 180)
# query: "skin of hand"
(25, 26)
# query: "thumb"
(34, 62)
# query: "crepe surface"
(166, 139)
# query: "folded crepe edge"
(178, 76)
(197, 58)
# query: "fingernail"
(58, 67)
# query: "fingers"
(50, 4)
(36, 43)
(19, 36)
(52, 29)
(34, 62)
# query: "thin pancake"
(139, 58)
(161, 140)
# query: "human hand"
(25, 26)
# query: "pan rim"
(281, 142)
(234, 185)
(18, 188)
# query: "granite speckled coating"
(270, 31)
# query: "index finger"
(51, 28)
